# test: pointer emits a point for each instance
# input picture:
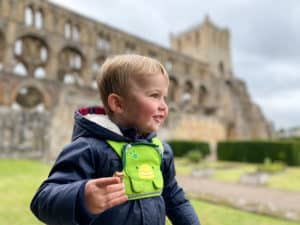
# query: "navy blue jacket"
(60, 198)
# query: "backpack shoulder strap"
(117, 146)
(160, 145)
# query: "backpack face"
(141, 168)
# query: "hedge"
(182, 147)
(257, 151)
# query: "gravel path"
(252, 198)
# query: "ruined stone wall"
(49, 59)
(24, 134)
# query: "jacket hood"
(93, 122)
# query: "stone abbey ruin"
(49, 58)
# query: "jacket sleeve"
(55, 201)
(178, 208)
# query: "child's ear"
(115, 103)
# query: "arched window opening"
(40, 73)
(77, 62)
(40, 107)
(202, 94)
(28, 16)
(29, 97)
(39, 19)
(96, 68)
(76, 33)
(70, 67)
(187, 93)
(72, 78)
(20, 70)
(68, 30)
(98, 63)
(2, 49)
(18, 47)
(103, 43)
(69, 79)
(152, 54)
(32, 51)
(15, 106)
(221, 68)
(44, 54)
(94, 84)
(169, 66)
(173, 87)
(129, 48)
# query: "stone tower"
(207, 43)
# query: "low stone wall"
(23, 134)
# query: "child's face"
(144, 107)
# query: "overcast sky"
(264, 40)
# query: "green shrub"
(194, 156)
(257, 151)
(182, 147)
(270, 167)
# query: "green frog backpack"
(141, 167)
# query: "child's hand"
(104, 193)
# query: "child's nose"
(163, 105)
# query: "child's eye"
(155, 95)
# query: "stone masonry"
(49, 59)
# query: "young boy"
(118, 139)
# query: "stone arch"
(49, 93)
(173, 89)
(98, 63)
(33, 17)
(68, 29)
(33, 52)
(76, 32)
(202, 95)
(28, 136)
(221, 68)
(71, 64)
(72, 30)
(29, 97)
(2, 49)
(39, 18)
(103, 43)
(96, 68)
(187, 93)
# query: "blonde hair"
(117, 72)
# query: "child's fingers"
(115, 187)
(105, 181)
(115, 199)
(113, 195)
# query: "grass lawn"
(21, 178)
(19, 181)
(218, 215)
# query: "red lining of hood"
(91, 110)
